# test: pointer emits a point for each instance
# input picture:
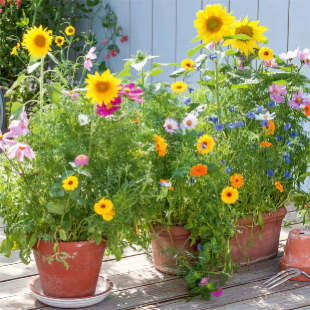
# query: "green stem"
(41, 81)
(92, 129)
(36, 6)
(217, 95)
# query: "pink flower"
(270, 63)
(113, 53)
(104, 41)
(2, 2)
(90, 56)
(107, 56)
(133, 93)
(19, 128)
(289, 55)
(124, 38)
(20, 150)
(4, 141)
(171, 125)
(277, 91)
(71, 94)
(18, 3)
(104, 111)
(81, 160)
(298, 100)
(218, 293)
(204, 282)
(211, 46)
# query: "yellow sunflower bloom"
(59, 40)
(37, 41)
(15, 49)
(265, 53)
(105, 208)
(237, 180)
(102, 88)
(251, 29)
(70, 31)
(213, 23)
(70, 183)
(179, 87)
(205, 144)
(229, 195)
(188, 64)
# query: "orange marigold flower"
(266, 144)
(199, 170)
(237, 180)
(307, 109)
(161, 145)
(270, 128)
(279, 186)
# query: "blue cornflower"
(190, 89)
(231, 110)
(264, 123)
(251, 115)
(231, 125)
(235, 67)
(201, 133)
(228, 169)
(287, 126)
(213, 119)
(212, 56)
(188, 101)
(287, 174)
(239, 124)
(287, 158)
(279, 138)
(294, 134)
(219, 126)
(271, 104)
(270, 173)
(199, 247)
(259, 109)
(207, 78)
(222, 162)
(288, 142)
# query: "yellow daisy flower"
(105, 208)
(188, 64)
(102, 88)
(70, 183)
(15, 49)
(265, 53)
(179, 87)
(229, 195)
(37, 41)
(213, 23)
(59, 40)
(205, 144)
(70, 31)
(251, 29)
(50, 32)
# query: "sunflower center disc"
(214, 24)
(40, 41)
(102, 86)
(245, 30)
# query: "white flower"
(83, 119)
(171, 125)
(190, 121)
(265, 116)
(165, 183)
(289, 55)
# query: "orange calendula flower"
(265, 144)
(279, 186)
(199, 170)
(237, 180)
(307, 109)
(270, 128)
(161, 145)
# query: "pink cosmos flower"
(19, 128)
(218, 293)
(270, 63)
(4, 141)
(204, 281)
(289, 55)
(20, 150)
(81, 160)
(104, 111)
(303, 55)
(277, 91)
(171, 125)
(298, 100)
(211, 46)
(90, 56)
(133, 93)
(71, 94)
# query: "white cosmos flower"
(83, 119)
(267, 116)
(171, 125)
(289, 55)
(190, 121)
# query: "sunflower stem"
(41, 81)
(217, 95)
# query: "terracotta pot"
(297, 253)
(80, 280)
(166, 245)
(252, 244)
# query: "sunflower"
(229, 195)
(102, 88)
(279, 186)
(199, 170)
(205, 144)
(237, 180)
(213, 23)
(70, 31)
(250, 29)
(70, 183)
(270, 128)
(59, 40)
(105, 208)
(265, 144)
(161, 145)
(37, 41)
(179, 87)
(265, 53)
(188, 64)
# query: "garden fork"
(284, 276)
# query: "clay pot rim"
(68, 243)
(267, 217)
(174, 230)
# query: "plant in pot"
(70, 175)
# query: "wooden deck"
(137, 285)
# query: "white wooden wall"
(165, 27)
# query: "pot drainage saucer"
(103, 290)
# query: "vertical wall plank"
(225, 3)
(273, 15)
(186, 14)
(164, 34)
(241, 8)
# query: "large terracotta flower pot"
(167, 244)
(80, 280)
(252, 244)
(297, 253)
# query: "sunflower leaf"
(240, 36)
(194, 50)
